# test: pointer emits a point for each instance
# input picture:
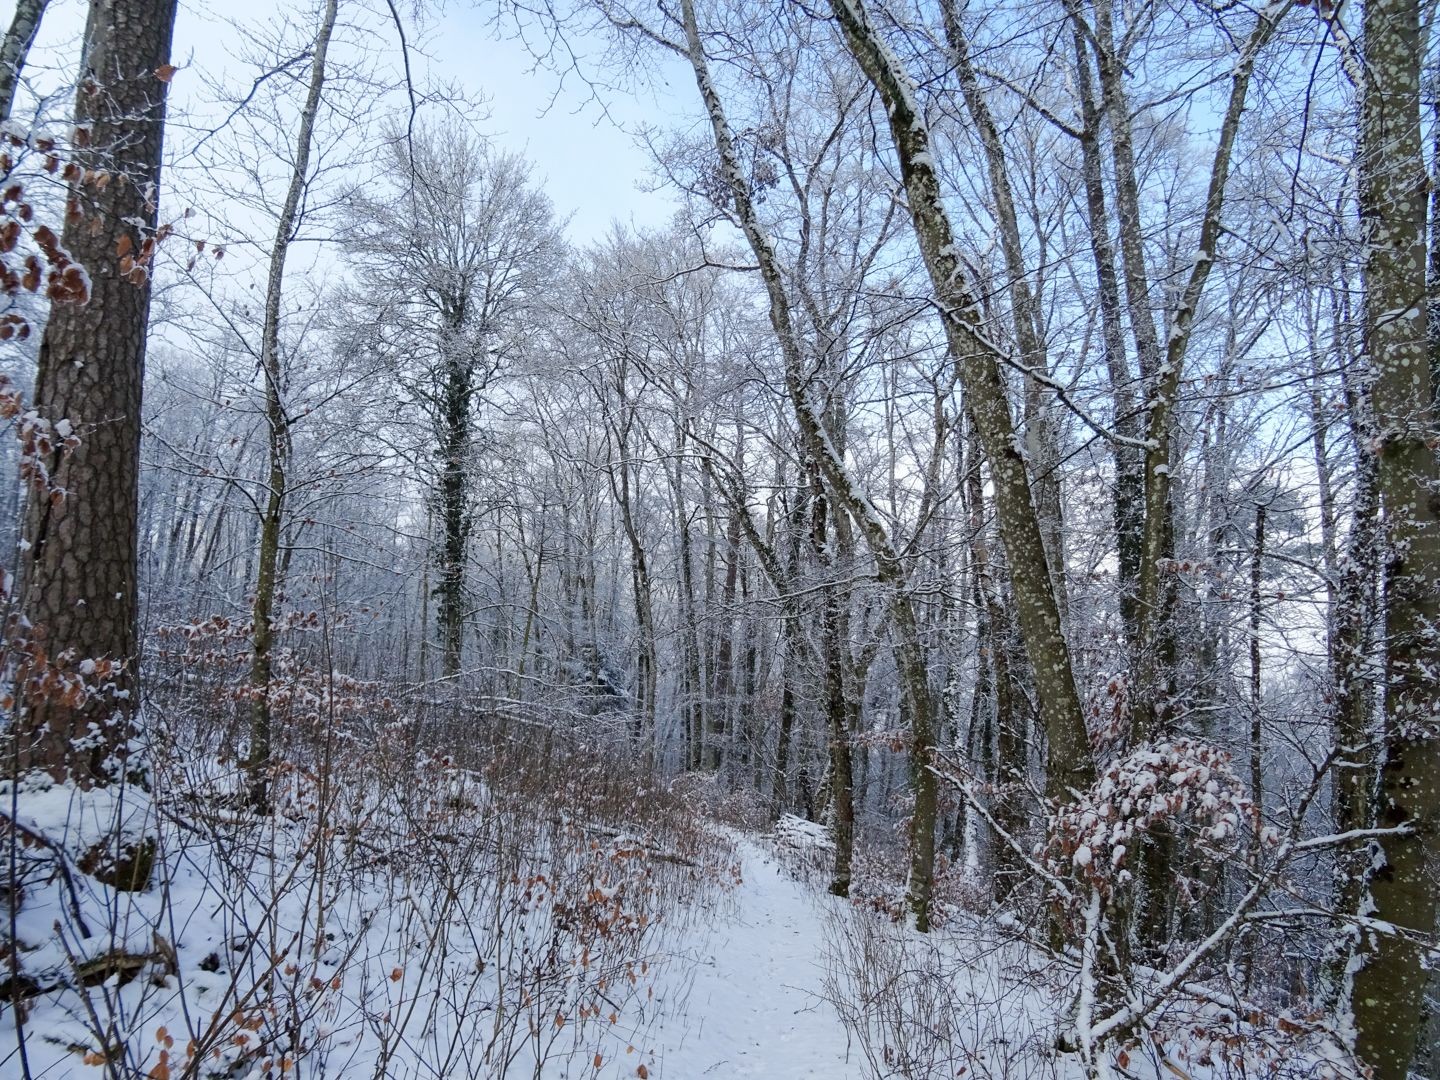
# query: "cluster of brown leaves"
(1183, 783)
(1108, 711)
(135, 265)
(219, 628)
(300, 691)
(49, 263)
(895, 740)
(38, 679)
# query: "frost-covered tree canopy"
(720, 539)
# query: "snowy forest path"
(756, 1006)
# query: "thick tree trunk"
(1388, 990)
(1433, 264)
(80, 568)
(79, 589)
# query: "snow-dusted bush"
(957, 1002)
(399, 914)
(1063, 988)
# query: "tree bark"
(1388, 990)
(80, 565)
(1116, 102)
(1433, 264)
(16, 48)
(258, 761)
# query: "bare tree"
(978, 362)
(278, 422)
(455, 253)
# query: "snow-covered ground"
(733, 989)
(754, 1007)
(421, 924)
(432, 925)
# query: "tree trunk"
(1433, 264)
(1071, 761)
(1388, 990)
(779, 792)
(1025, 317)
(80, 569)
(1353, 712)
(1116, 103)
(80, 565)
(889, 565)
(722, 709)
(258, 762)
(693, 691)
(837, 720)
(646, 666)
(1004, 744)
(15, 49)
(455, 402)
(1157, 599)
(1129, 515)
(1257, 737)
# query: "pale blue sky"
(587, 165)
(590, 168)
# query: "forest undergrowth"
(508, 911)
(439, 889)
(1034, 986)
(536, 905)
